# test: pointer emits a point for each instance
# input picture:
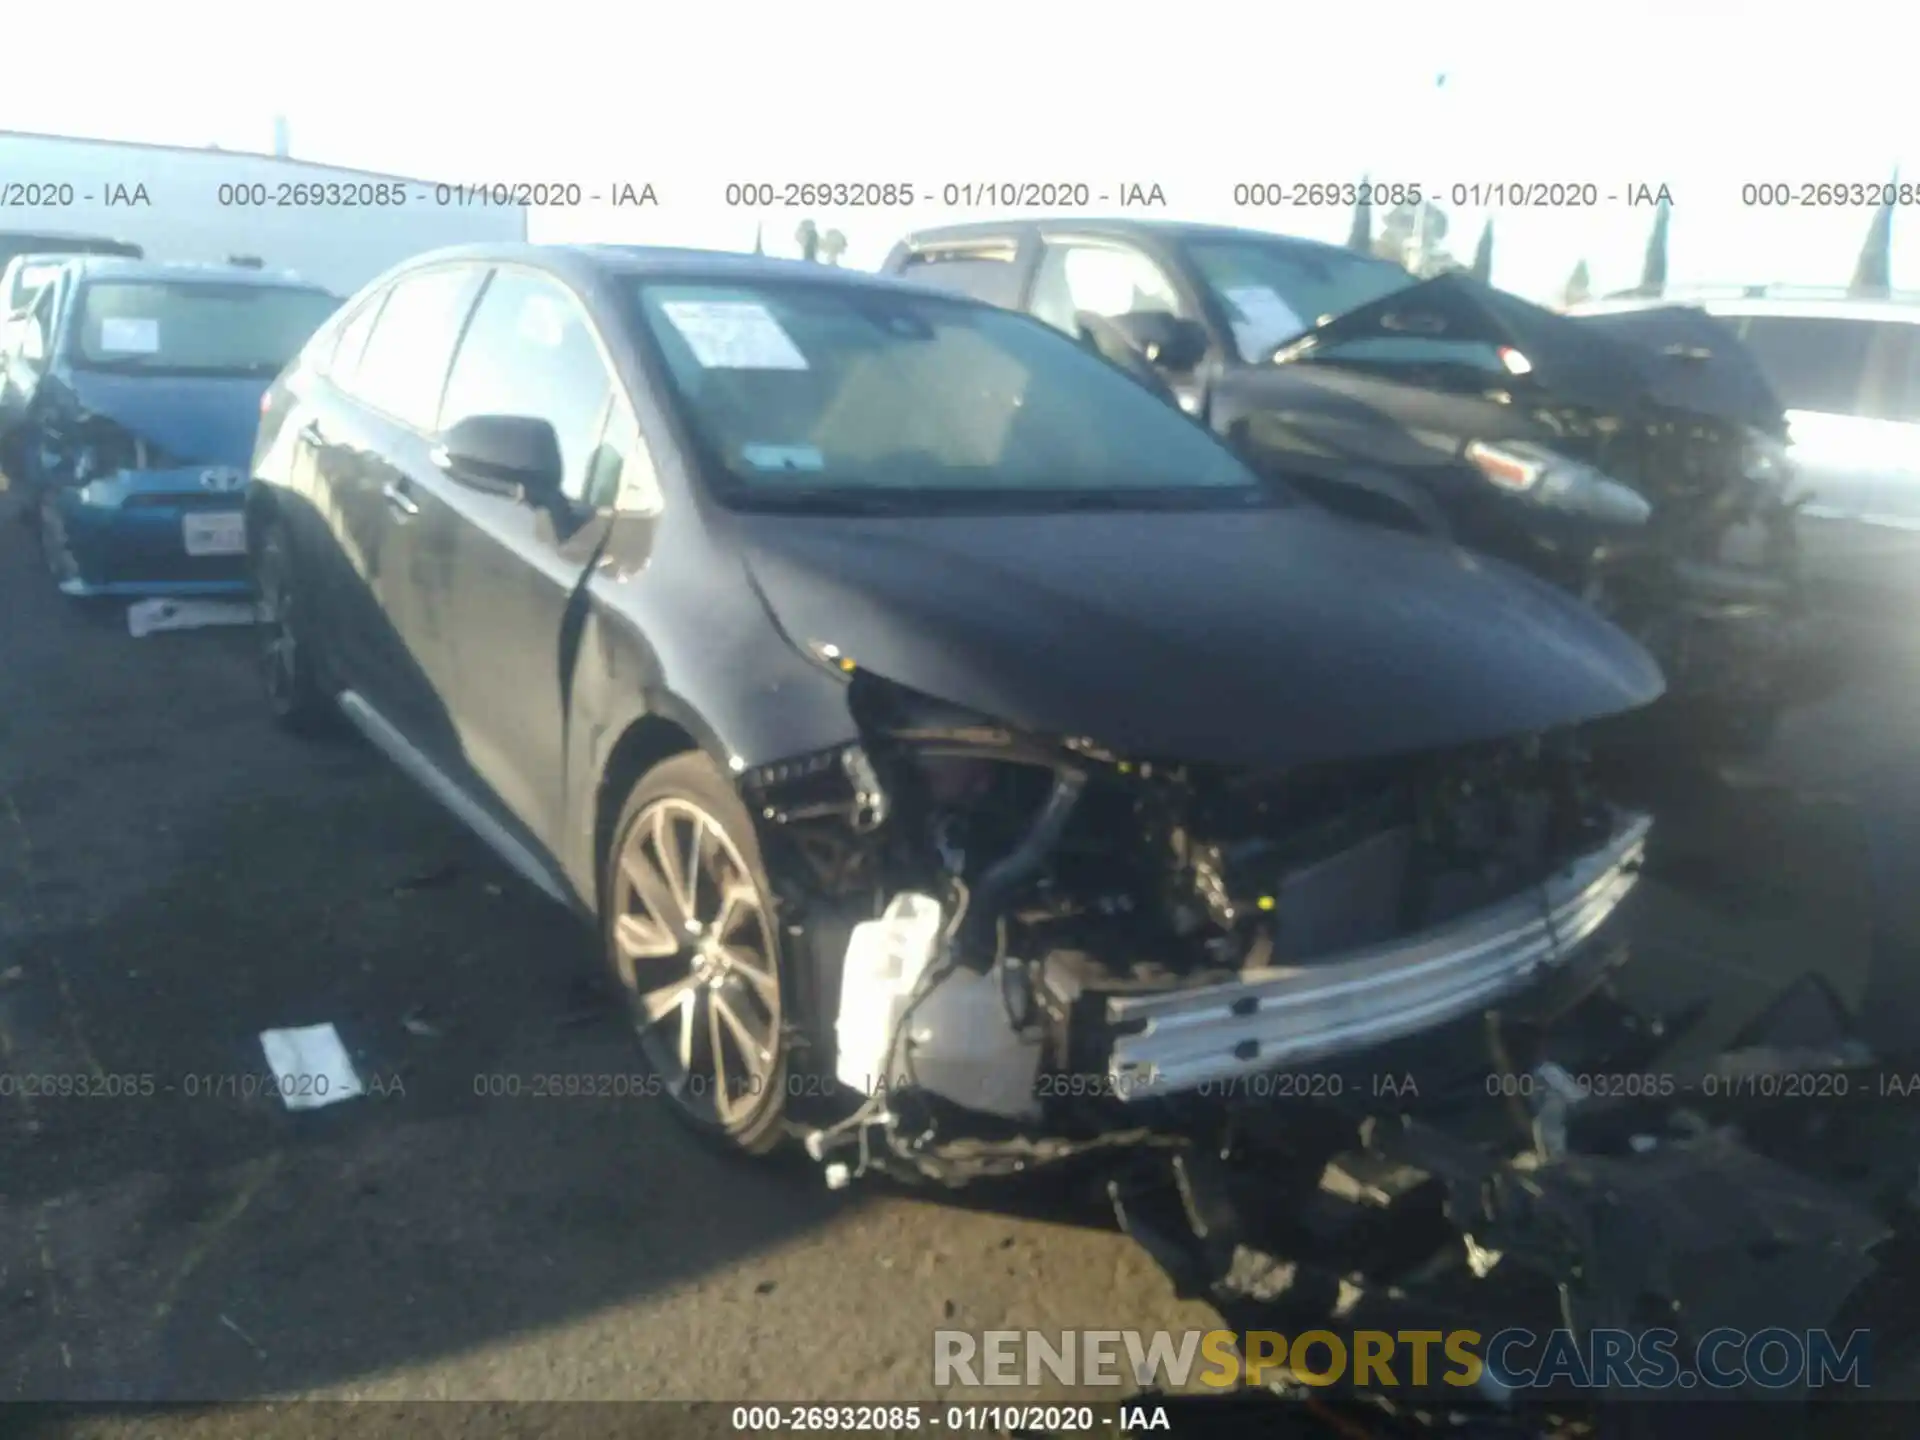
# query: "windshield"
(1273, 291)
(194, 327)
(812, 394)
(1865, 368)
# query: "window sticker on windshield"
(783, 457)
(123, 335)
(734, 335)
(1265, 319)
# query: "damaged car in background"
(1638, 461)
(971, 766)
(140, 386)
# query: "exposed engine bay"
(1343, 1040)
(1042, 934)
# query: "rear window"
(993, 278)
(1837, 366)
(194, 327)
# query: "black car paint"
(1233, 637)
(525, 651)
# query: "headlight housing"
(1557, 482)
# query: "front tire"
(689, 931)
(297, 698)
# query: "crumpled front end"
(1047, 945)
(1341, 1044)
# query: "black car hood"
(1673, 357)
(1276, 637)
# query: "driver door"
(516, 572)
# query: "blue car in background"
(144, 383)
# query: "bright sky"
(1194, 97)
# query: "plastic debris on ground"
(145, 617)
(312, 1066)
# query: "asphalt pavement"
(177, 876)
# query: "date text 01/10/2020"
(995, 1419)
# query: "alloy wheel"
(693, 943)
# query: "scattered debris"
(417, 1024)
(252, 1344)
(438, 878)
(312, 1066)
(765, 1287)
(147, 617)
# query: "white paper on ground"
(312, 1066)
(734, 335)
(1267, 319)
(125, 335)
(146, 616)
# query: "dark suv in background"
(1635, 460)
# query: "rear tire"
(690, 934)
(297, 697)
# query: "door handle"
(399, 499)
(312, 434)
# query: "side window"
(620, 475)
(1105, 279)
(988, 275)
(1887, 387)
(531, 351)
(404, 365)
(350, 341)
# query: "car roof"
(1772, 303)
(116, 267)
(62, 237)
(659, 262)
(1108, 228)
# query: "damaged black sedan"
(932, 721)
(1637, 461)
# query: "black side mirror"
(516, 455)
(1167, 341)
